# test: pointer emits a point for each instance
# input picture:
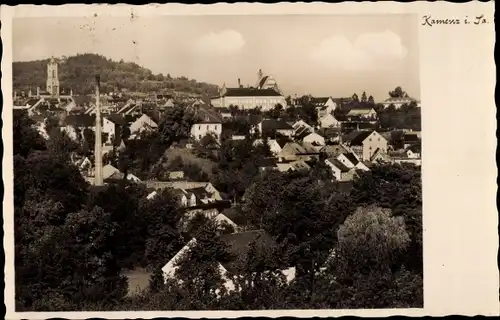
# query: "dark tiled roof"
(411, 137)
(251, 92)
(239, 244)
(263, 81)
(416, 148)
(80, 120)
(236, 215)
(359, 138)
(267, 162)
(254, 119)
(351, 157)
(200, 193)
(206, 114)
(339, 164)
(272, 124)
(116, 119)
(333, 150)
(319, 100)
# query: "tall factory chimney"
(98, 181)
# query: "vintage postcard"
(239, 160)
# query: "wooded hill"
(78, 73)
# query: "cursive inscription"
(430, 21)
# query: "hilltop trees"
(77, 72)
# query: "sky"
(322, 55)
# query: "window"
(199, 127)
(199, 136)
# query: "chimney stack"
(37, 92)
(98, 181)
(239, 83)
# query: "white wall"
(199, 130)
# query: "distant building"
(398, 102)
(362, 114)
(266, 95)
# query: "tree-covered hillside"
(78, 72)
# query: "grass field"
(138, 280)
(189, 158)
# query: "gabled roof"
(206, 114)
(351, 157)
(360, 137)
(338, 164)
(303, 148)
(319, 100)
(251, 92)
(415, 148)
(199, 193)
(80, 120)
(359, 111)
(411, 137)
(334, 150)
(239, 244)
(273, 124)
(116, 119)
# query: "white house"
(111, 124)
(272, 143)
(366, 143)
(324, 106)
(143, 123)
(329, 121)
(350, 160)
(340, 171)
(222, 220)
(209, 122)
(314, 139)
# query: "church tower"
(52, 78)
(260, 74)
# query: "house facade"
(366, 143)
(314, 139)
(328, 121)
(265, 95)
(143, 123)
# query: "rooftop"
(251, 92)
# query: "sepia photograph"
(232, 162)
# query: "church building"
(266, 94)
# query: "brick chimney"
(239, 83)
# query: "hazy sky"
(321, 55)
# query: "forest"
(78, 72)
(356, 249)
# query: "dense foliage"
(352, 249)
(78, 72)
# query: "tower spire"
(98, 181)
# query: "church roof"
(251, 92)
